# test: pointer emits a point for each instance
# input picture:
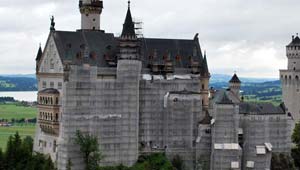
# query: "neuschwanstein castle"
(146, 95)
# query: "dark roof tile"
(295, 41)
(235, 79)
(260, 108)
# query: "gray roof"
(49, 91)
(73, 45)
(39, 54)
(295, 41)
(157, 49)
(224, 96)
(207, 119)
(184, 92)
(260, 108)
(128, 26)
(235, 79)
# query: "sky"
(248, 37)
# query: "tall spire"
(39, 54)
(128, 26)
(205, 71)
(235, 79)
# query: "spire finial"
(129, 4)
(52, 27)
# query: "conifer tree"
(296, 150)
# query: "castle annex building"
(146, 95)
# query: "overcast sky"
(247, 36)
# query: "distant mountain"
(268, 91)
(250, 86)
(18, 75)
(217, 78)
(11, 83)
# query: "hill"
(268, 91)
(10, 83)
(253, 89)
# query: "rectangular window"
(59, 85)
(44, 84)
(51, 84)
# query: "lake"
(29, 96)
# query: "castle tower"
(128, 75)
(290, 78)
(128, 40)
(235, 85)
(90, 14)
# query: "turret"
(38, 58)
(293, 53)
(128, 39)
(235, 85)
(90, 14)
(204, 77)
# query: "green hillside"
(18, 84)
(259, 92)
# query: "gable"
(50, 62)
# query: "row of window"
(51, 85)
(48, 116)
(293, 48)
(48, 100)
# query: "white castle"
(146, 95)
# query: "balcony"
(49, 127)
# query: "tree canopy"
(296, 150)
(20, 156)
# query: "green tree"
(19, 156)
(157, 161)
(296, 150)
(69, 165)
(9, 155)
(203, 163)
(89, 148)
(296, 135)
(1, 160)
(178, 163)
(282, 161)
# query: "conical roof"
(207, 119)
(204, 71)
(235, 79)
(39, 54)
(128, 26)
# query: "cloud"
(244, 36)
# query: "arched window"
(285, 80)
(51, 63)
